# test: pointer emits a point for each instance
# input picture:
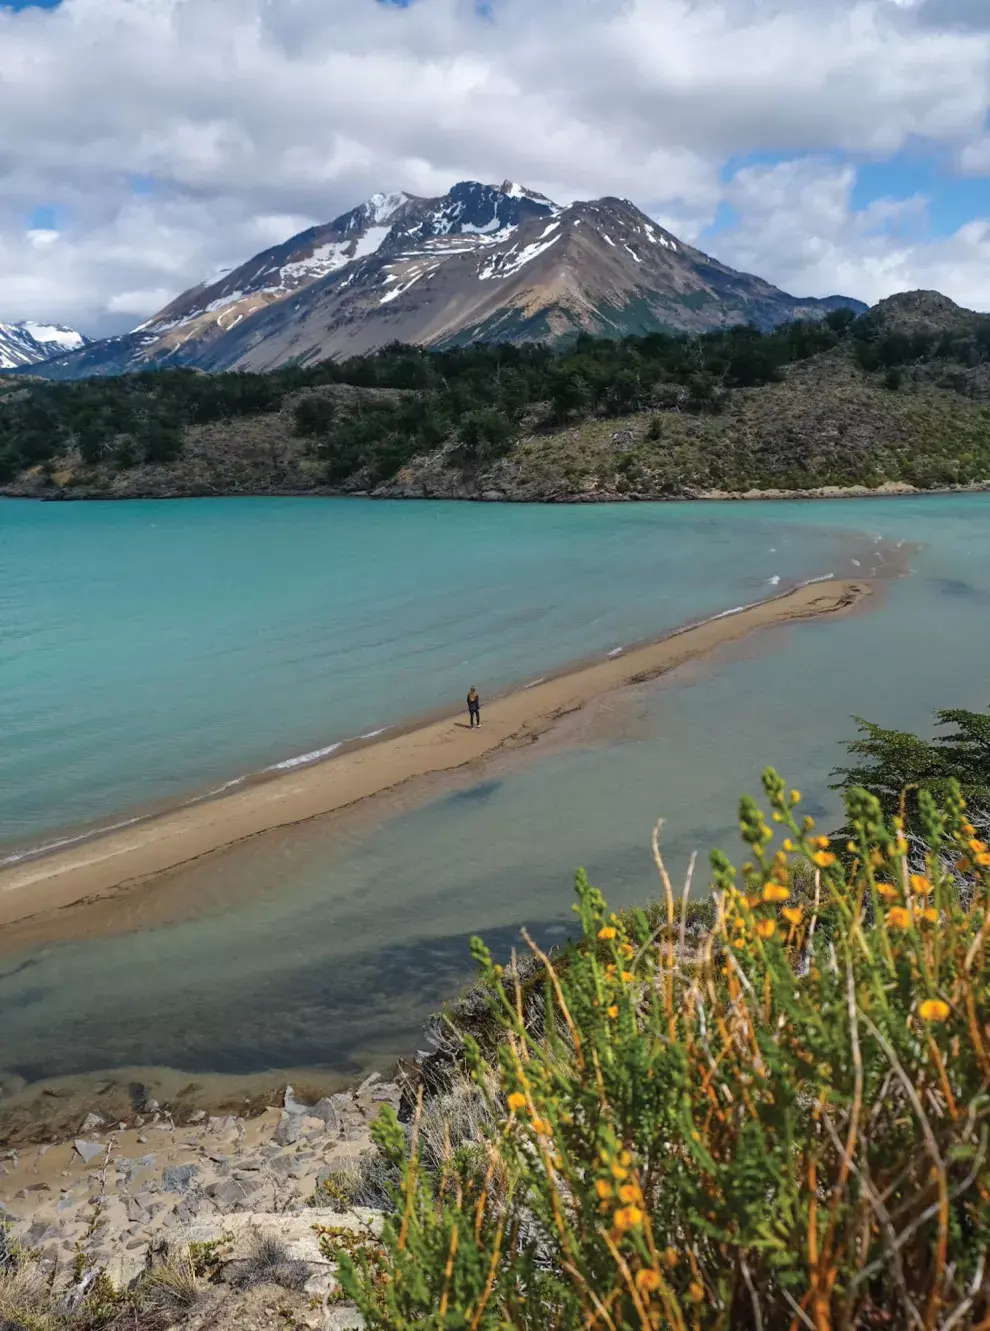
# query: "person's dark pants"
(475, 715)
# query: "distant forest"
(480, 397)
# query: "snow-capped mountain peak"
(30, 343)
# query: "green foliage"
(761, 1129)
(895, 765)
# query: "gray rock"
(368, 1082)
(89, 1150)
(179, 1178)
(151, 1107)
(292, 1105)
(289, 1130)
(218, 1157)
(232, 1193)
(250, 1162)
(386, 1091)
(323, 1109)
(197, 1116)
(135, 1210)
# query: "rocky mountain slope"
(500, 263)
(29, 343)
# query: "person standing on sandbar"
(474, 707)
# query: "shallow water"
(152, 648)
(347, 938)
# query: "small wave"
(856, 562)
(34, 851)
(775, 580)
(534, 683)
(617, 651)
(373, 734)
(301, 759)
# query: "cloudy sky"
(833, 146)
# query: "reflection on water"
(344, 941)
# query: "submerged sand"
(122, 860)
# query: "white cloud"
(256, 115)
(797, 220)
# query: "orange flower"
(920, 884)
(978, 847)
(541, 1127)
(983, 859)
(517, 1100)
(934, 1009)
(629, 1192)
(613, 1011)
(824, 859)
(775, 892)
(627, 977)
(696, 1291)
(606, 932)
(888, 890)
(898, 917)
(627, 1217)
(930, 915)
(766, 929)
(792, 914)
(625, 950)
(821, 842)
(603, 1188)
(670, 1257)
(647, 1281)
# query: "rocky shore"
(216, 1190)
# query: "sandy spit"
(124, 859)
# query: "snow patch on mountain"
(30, 343)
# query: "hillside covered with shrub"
(900, 394)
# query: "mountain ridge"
(29, 343)
(487, 262)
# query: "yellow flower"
(629, 1192)
(920, 884)
(969, 829)
(788, 844)
(978, 847)
(647, 1281)
(627, 1217)
(795, 797)
(888, 890)
(696, 1291)
(626, 977)
(899, 917)
(670, 1257)
(613, 1011)
(603, 1188)
(930, 915)
(766, 929)
(934, 1009)
(606, 932)
(517, 1100)
(775, 892)
(983, 859)
(618, 1170)
(625, 950)
(541, 1127)
(792, 914)
(821, 842)
(876, 859)
(823, 858)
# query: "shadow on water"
(479, 794)
(319, 1015)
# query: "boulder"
(179, 1178)
(289, 1130)
(89, 1150)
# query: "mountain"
(29, 343)
(499, 263)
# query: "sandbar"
(122, 860)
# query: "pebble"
(91, 1122)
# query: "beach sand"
(120, 861)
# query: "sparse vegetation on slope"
(899, 395)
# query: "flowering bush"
(762, 1127)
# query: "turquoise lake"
(149, 650)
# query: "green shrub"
(759, 1128)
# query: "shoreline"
(888, 490)
(104, 864)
